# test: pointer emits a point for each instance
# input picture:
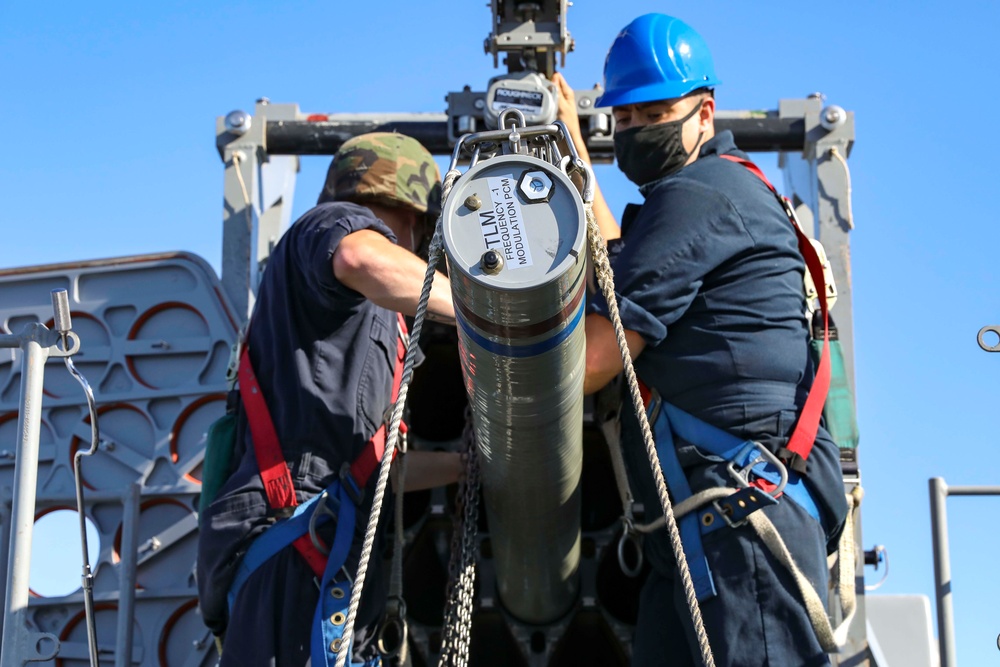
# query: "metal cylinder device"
(515, 234)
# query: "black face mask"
(650, 152)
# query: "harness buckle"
(725, 510)
(350, 485)
(320, 509)
(763, 457)
(735, 509)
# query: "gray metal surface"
(522, 356)
(815, 181)
(818, 185)
(755, 131)
(528, 92)
(155, 334)
(939, 492)
(20, 644)
(531, 33)
(258, 193)
(901, 627)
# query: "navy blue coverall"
(708, 271)
(324, 357)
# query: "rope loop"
(630, 537)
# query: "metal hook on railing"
(62, 322)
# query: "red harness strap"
(274, 470)
(271, 462)
(801, 442)
(369, 459)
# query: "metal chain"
(462, 564)
(605, 279)
(434, 256)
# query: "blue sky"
(108, 113)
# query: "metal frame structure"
(939, 492)
(20, 644)
(156, 332)
(813, 141)
(260, 153)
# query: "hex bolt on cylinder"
(491, 262)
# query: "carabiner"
(394, 631)
(765, 457)
(629, 535)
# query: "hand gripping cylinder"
(514, 234)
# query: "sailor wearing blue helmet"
(709, 282)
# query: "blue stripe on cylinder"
(520, 351)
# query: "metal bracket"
(37, 647)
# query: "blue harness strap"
(741, 453)
(669, 422)
(331, 610)
(273, 540)
(677, 482)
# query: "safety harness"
(339, 501)
(800, 444)
(760, 477)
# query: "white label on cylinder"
(502, 224)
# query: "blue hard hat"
(655, 57)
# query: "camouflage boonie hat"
(387, 168)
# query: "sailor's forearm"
(390, 276)
(428, 470)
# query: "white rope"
(687, 506)
(605, 279)
(829, 638)
(814, 605)
(835, 154)
(434, 255)
(842, 566)
(249, 207)
(845, 570)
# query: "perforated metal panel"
(155, 333)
